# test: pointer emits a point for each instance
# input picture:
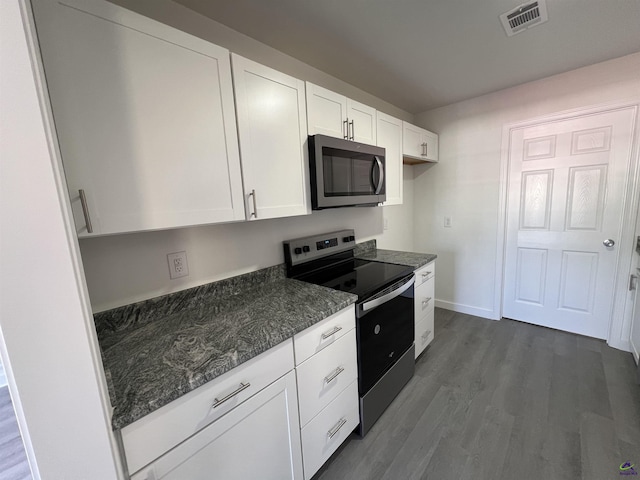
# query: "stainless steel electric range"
(384, 313)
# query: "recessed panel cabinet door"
(326, 112)
(272, 127)
(144, 116)
(258, 439)
(389, 133)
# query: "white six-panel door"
(566, 185)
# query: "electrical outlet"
(178, 266)
(447, 222)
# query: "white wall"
(47, 342)
(466, 183)
(126, 268)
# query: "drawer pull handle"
(243, 386)
(425, 302)
(85, 211)
(335, 373)
(331, 433)
(331, 333)
(425, 274)
(426, 334)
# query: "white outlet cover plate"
(178, 266)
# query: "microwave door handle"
(381, 178)
(389, 296)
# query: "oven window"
(347, 173)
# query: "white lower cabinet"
(327, 387)
(258, 439)
(326, 432)
(424, 306)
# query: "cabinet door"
(419, 143)
(389, 134)
(272, 127)
(144, 116)
(362, 122)
(326, 112)
(258, 439)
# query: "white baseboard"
(624, 345)
(468, 309)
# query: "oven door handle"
(389, 296)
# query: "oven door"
(345, 173)
(385, 330)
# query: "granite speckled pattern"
(152, 361)
(410, 259)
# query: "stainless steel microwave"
(345, 173)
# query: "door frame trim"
(620, 320)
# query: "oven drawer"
(322, 377)
(154, 434)
(326, 432)
(425, 273)
(319, 336)
(424, 332)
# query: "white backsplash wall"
(122, 269)
(465, 185)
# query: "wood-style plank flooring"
(503, 400)
(13, 460)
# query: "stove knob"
(352, 238)
(345, 239)
(297, 251)
(306, 249)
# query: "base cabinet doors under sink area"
(144, 116)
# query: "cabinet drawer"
(426, 273)
(153, 435)
(339, 419)
(424, 332)
(322, 377)
(324, 333)
(424, 299)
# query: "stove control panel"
(301, 250)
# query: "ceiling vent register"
(524, 17)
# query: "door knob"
(608, 243)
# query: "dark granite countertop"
(158, 350)
(368, 251)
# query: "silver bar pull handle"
(376, 302)
(217, 403)
(255, 207)
(353, 131)
(381, 177)
(426, 149)
(85, 211)
(337, 427)
(426, 334)
(331, 332)
(633, 282)
(336, 372)
(425, 274)
(345, 129)
(425, 302)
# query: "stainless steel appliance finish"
(345, 173)
(384, 313)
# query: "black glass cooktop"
(363, 278)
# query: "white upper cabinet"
(335, 115)
(419, 145)
(389, 133)
(144, 116)
(272, 129)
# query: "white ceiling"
(420, 54)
